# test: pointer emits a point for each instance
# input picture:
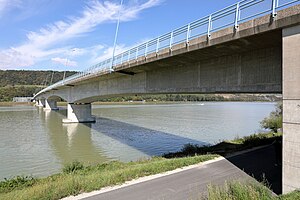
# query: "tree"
(274, 121)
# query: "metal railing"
(230, 16)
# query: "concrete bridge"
(258, 53)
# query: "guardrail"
(230, 16)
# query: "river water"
(35, 142)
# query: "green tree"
(274, 121)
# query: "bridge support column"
(79, 113)
(291, 109)
(50, 105)
(41, 103)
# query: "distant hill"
(26, 77)
(24, 83)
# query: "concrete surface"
(291, 108)
(50, 105)
(79, 113)
(41, 103)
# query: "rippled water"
(35, 142)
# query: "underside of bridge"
(261, 57)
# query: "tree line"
(191, 98)
(26, 83)
(27, 77)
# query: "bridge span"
(255, 53)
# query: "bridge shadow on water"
(150, 142)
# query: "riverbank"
(77, 178)
(2, 104)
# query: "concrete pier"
(41, 103)
(50, 105)
(291, 109)
(79, 113)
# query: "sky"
(76, 34)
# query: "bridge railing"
(230, 16)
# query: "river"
(35, 142)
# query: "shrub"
(17, 182)
(73, 167)
(274, 121)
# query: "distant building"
(22, 99)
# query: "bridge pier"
(291, 109)
(79, 113)
(40, 103)
(50, 105)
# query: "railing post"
(128, 56)
(171, 41)
(209, 26)
(146, 50)
(237, 16)
(188, 34)
(136, 52)
(121, 59)
(274, 6)
(157, 45)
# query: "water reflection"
(71, 141)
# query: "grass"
(77, 179)
(73, 167)
(16, 183)
(250, 190)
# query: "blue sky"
(75, 34)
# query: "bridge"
(249, 47)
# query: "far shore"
(10, 103)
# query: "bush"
(73, 167)
(17, 182)
(274, 121)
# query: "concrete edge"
(155, 176)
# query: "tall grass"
(249, 190)
(73, 167)
(240, 191)
(15, 183)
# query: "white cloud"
(41, 44)
(65, 62)
(106, 53)
(12, 56)
(97, 56)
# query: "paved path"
(192, 183)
